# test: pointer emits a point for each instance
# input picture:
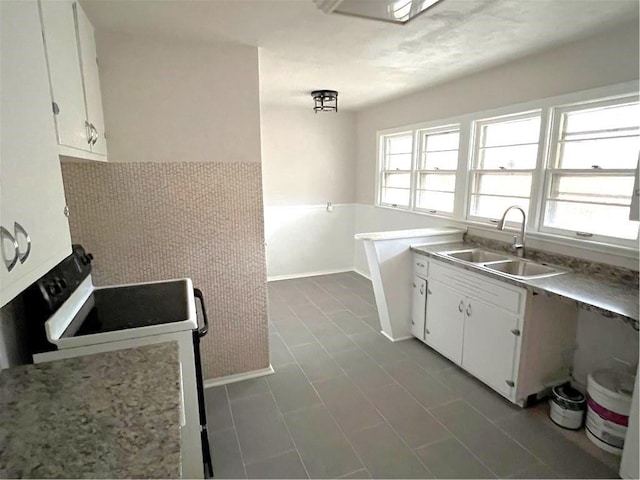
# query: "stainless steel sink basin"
(476, 255)
(522, 269)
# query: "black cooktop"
(135, 306)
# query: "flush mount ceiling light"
(394, 11)
(325, 100)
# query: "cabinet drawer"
(421, 265)
(508, 297)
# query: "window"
(436, 171)
(504, 160)
(395, 176)
(591, 170)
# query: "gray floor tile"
(327, 304)
(539, 470)
(225, 454)
(316, 363)
(291, 389)
(278, 352)
(428, 359)
(450, 459)
(349, 323)
(245, 388)
(409, 419)
(362, 473)
(351, 410)
(551, 447)
(324, 449)
(218, 410)
(287, 465)
(253, 408)
(357, 305)
(383, 351)
(385, 456)
(490, 403)
(370, 378)
(373, 321)
(494, 448)
(425, 388)
(353, 359)
(294, 333)
(333, 339)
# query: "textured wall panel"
(153, 221)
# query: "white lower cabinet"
(418, 308)
(444, 320)
(517, 342)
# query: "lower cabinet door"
(444, 320)
(490, 342)
(419, 306)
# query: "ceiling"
(367, 61)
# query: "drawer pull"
(469, 310)
(422, 289)
(460, 306)
(427, 331)
(9, 262)
(516, 332)
(428, 291)
(19, 229)
(510, 383)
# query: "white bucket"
(608, 408)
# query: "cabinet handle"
(516, 332)
(510, 383)
(427, 331)
(428, 291)
(414, 285)
(95, 134)
(17, 228)
(469, 310)
(422, 289)
(460, 306)
(87, 127)
(9, 263)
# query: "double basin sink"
(502, 264)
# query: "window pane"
(434, 181)
(508, 184)
(607, 118)
(402, 180)
(521, 157)
(440, 161)
(442, 141)
(512, 132)
(592, 188)
(597, 219)
(494, 207)
(401, 144)
(441, 202)
(398, 162)
(395, 196)
(609, 153)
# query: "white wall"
(170, 101)
(308, 160)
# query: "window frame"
(550, 170)
(381, 171)
(535, 233)
(420, 151)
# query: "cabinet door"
(489, 344)
(31, 182)
(419, 307)
(89, 58)
(59, 28)
(444, 320)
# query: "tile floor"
(344, 402)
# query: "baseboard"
(396, 339)
(361, 273)
(215, 382)
(275, 278)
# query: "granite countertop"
(609, 296)
(109, 415)
(398, 234)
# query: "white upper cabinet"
(34, 233)
(75, 83)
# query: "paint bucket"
(608, 408)
(567, 406)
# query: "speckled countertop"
(607, 295)
(109, 415)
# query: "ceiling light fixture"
(325, 100)
(393, 11)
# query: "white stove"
(71, 317)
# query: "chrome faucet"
(517, 248)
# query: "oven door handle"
(205, 328)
